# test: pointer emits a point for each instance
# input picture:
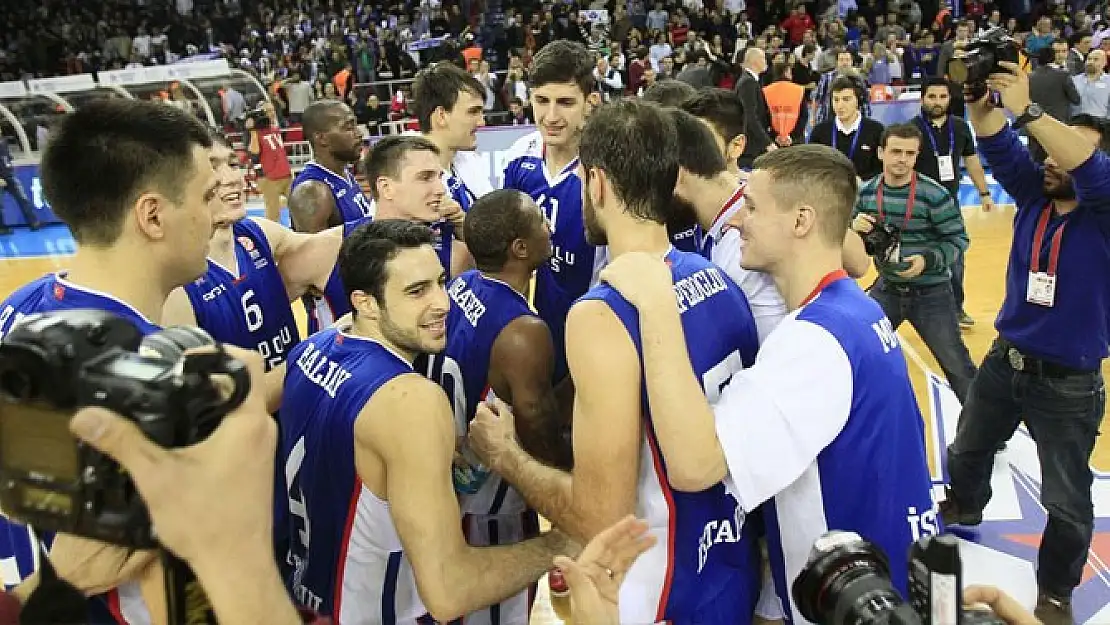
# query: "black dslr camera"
(260, 117)
(979, 59)
(881, 241)
(847, 582)
(55, 363)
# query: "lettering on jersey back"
(321, 371)
(717, 532)
(699, 287)
(472, 307)
(924, 524)
(887, 336)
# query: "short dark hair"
(563, 61)
(493, 222)
(842, 83)
(633, 141)
(934, 81)
(440, 85)
(904, 130)
(816, 175)
(367, 250)
(318, 118)
(722, 108)
(669, 92)
(107, 153)
(697, 149)
(385, 156)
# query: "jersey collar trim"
(732, 205)
(829, 278)
(60, 277)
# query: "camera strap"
(909, 200)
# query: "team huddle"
(477, 358)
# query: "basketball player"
(705, 568)
(849, 451)
(137, 204)
(711, 193)
(255, 269)
(404, 173)
(544, 165)
(723, 111)
(497, 346)
(325, 194)
(367, 445)
(448, 103)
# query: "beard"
(348, 155)
(1062, 190)
(408, 339)
(595, 234)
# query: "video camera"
(260, 116)
(54, 363)
(846, 581)
(980, 58)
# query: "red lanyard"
(1038, 241)
(909, 200)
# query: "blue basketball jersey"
(250, 310)
(350, 202)
(574, 263)
(705, 566)
(18, 544)
(323, 311)
(481, 307)
(876, 463)
(346, 557)
(353, 207)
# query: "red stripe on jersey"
(829, 278)
(114, 606)
(664, 485)
(736, 197)
(352, 509)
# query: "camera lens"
(17, 385)
(847, 580)
(957, 70)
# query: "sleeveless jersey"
(18, 546)
(250, 310)
(323, 311)
(481, 307)
(574, 263)
(346, 556)
(704, 568)
(352, 206)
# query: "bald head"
(321, 116)
(755, 59)
(1096, 62)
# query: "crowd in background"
(308, 49)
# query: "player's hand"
(641, 278)
(595, 578)
(1012, 86)
(94, 567)
(863, 223)
(917, 266)
(212, 498)
(452, 212)
(1004, 606)
(493, 433)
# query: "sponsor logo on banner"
(1002, 551)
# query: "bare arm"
(975, 171)
(305, 260)
(311, 206)
(178, 310)
(453, 578)
(521, 366)
(606, 431)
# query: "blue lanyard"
(855, 138)
(928, 128)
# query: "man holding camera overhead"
(1045, 366)
(912, 226)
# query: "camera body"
(881, 242)
(260, 117)
(847, 581)
(55, 363)
(980, 58)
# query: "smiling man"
(544, 165)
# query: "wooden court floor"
(985, 283)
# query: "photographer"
(267, 146)
(1045, 366)
(925, 236)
